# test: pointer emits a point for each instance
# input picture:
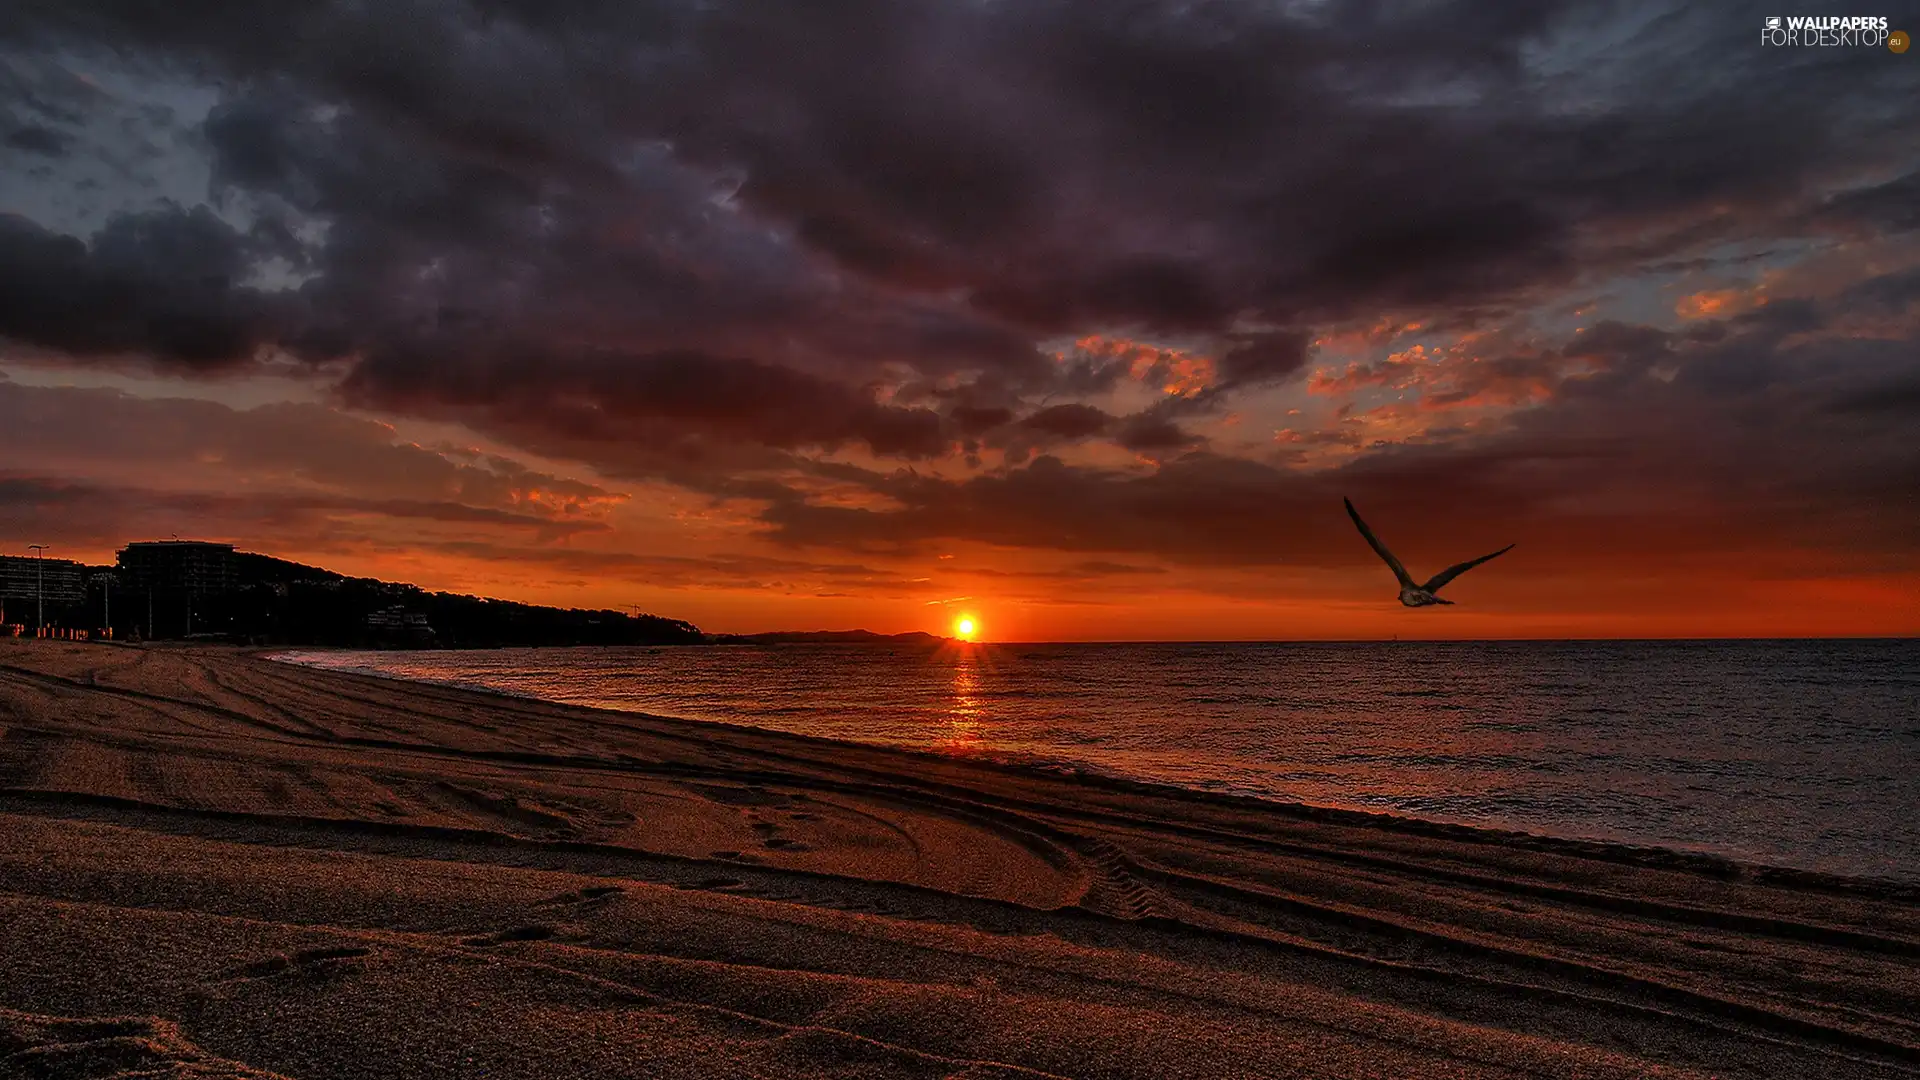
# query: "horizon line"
(1910, 636)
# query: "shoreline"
(1705, 862)
(996, 643)
(256, 868)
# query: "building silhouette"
(169, 589)
(197, 566)
(177, 579)
(28, 584)
(396, 623)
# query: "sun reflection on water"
(965, 715)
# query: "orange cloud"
(1720, 303)
(1360, 338)
(1398, 370)
(1172, 371)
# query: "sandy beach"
(216, 865)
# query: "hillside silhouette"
(280, 602)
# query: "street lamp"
(39, 586)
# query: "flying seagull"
(1413, 595)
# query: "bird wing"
(1457, 569)
(1380, 549)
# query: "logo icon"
(1898, 41)
(1773, 23)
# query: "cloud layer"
(1112, 281)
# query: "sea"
(1801, 754)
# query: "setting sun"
(963, 627)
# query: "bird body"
(1415, 594)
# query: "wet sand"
(214, 865)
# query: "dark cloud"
(1064, 165)
(975, 419)
(50, 92)
(1082, 570)
(1068, 421)
(35, 139)
(683, 572)
(704, 242)
(101, 514)
(1897, 397)
(282, 449)
(1881, 294)
(166, 284)
(696, 394)
(1893, 206)
(1670, 445)
(1152, 433)
(1263, 358)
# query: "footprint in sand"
(317, 962)
(84, 1047)
(534, 932)
(582, 896)
(770, 837)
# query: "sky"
(1076, 317)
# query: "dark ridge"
(262, 600)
